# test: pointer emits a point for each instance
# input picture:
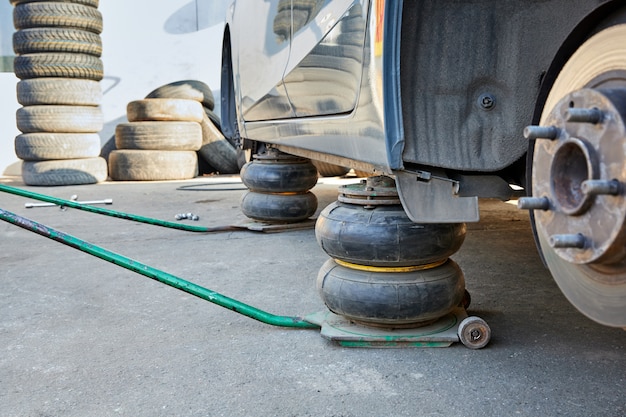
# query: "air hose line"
(118, 214)
(153, 273)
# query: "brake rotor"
(579, 172)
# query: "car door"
(261, 44)
(326, 61)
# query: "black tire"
(57, 14)
(159, 136)
(330, 170)
(384, 236)
(64, 172)
(91, 3)
(391, 299)
(140, 165)
(59, 119)
(279, 208)
(64, 40)
(164, 109)
(279, 177)
(45, 146)
(189, 89)
(107, 148)
(83, 66)
(214, 118)
(59, 91)
(216, 150)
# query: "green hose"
(153, 273)
(117, 214)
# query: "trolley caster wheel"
(474, 332)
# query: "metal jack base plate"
(257, 226)
(442, 333)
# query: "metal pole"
(153, 273)
(117, 214)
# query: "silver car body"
(314, 87)
(436, 93)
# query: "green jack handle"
(117, 214)
(155, 274)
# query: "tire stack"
(58, 50)
(216, 150)
(386, 271)
(159, 142)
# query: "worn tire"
(216, 150)
(188, 89)
(83, 66)
(91, 3)
(279, 177)
(64, 40)
(214, 118)
(59, 91)
(279, 208)
(159, 136)
(57, 14)
(384, 236)
(142, 165)
(59, 119)
(330, 170)
(45, 146)
(64, 172)
(164, 109)
(391, 299)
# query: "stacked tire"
(159, 142)
(58, 50)
(218, 152)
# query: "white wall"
(146, 43)
(8, 99)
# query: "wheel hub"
(579, 174)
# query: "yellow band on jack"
(390, 269)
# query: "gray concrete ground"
(82, 337)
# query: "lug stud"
(540, 132)
(533, 203)
(579, 115)
(600, 187)
(575, 241)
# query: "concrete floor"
(82, 337)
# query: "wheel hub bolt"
(583, 115)
(540, 132)
(575, 241)
(600, 187)
(533, 203)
